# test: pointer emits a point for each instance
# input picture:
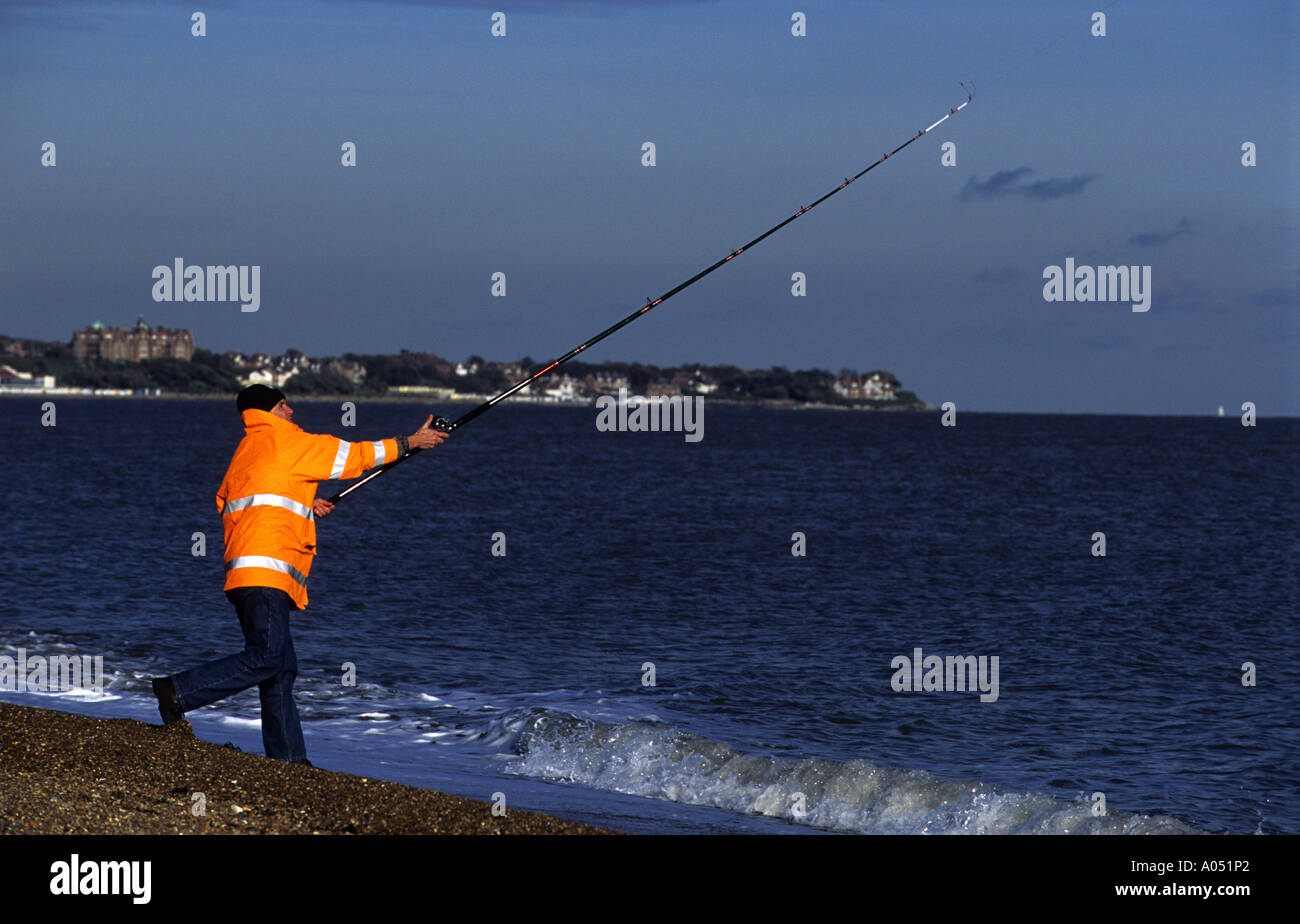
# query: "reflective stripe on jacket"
(265, 500)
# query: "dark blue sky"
(522, 155)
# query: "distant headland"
(147, 360)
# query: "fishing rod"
(446, 426)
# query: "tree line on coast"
(377, 374)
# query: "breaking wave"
(660, 762)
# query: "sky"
(522, 154)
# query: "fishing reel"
(441, 423)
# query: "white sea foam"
(664, 763)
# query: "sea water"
(649, 655)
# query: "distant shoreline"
(767, 403)
(761, 404)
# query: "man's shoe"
(169, 706)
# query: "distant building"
(271, 377)
(563, 389)
(354, 372)
(603, 384)
(666, 389)
(9, 376)
(874, 387)
(140, 342)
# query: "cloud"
(1058, 188)
(1002, 183)
(1012, 183)
(1156, 238)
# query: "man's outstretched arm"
(361, 457)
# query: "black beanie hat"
(259, 398)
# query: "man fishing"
(268, 508)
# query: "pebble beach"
(71, 774)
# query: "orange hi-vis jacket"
(266, 499)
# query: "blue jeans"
(267, 661)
